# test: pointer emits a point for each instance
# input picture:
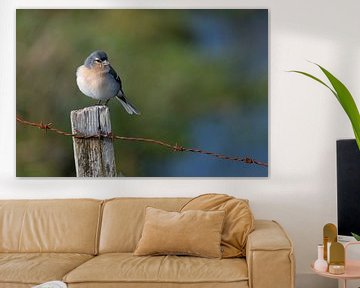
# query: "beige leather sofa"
(89, 243)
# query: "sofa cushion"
(123, 220)
(36, 268)
(126, 268)
(193, 232)
(63, 226)
(239, 220)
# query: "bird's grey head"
(96, 58)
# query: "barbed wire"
(49, 127)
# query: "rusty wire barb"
(176, 147)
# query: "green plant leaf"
(316, 79)
(357, 237)
(347, 102)
(357, 137)
(344, 97)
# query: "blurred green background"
(199, 78)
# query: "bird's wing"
(117, 79)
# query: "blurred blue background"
(199, 78)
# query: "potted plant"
(349, 184)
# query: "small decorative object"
(337, 258)
(330, 236)
(336, 269)
(320, 264)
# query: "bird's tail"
(127, 105)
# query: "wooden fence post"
(93, 157)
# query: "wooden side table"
(352, 268)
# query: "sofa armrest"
(269, 256)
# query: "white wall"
(305, 121)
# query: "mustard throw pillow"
(239, 220)
(196, 233)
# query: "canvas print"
(142, 93)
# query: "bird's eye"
(97, 60)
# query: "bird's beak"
(105, 62)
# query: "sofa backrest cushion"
(239, 220)
(66, 226)
(123, 220)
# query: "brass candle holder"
(329, 236)
(337, 258)
(334, 252)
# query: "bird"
(97, 79)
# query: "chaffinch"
(98, 80)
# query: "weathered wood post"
(93, 157)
